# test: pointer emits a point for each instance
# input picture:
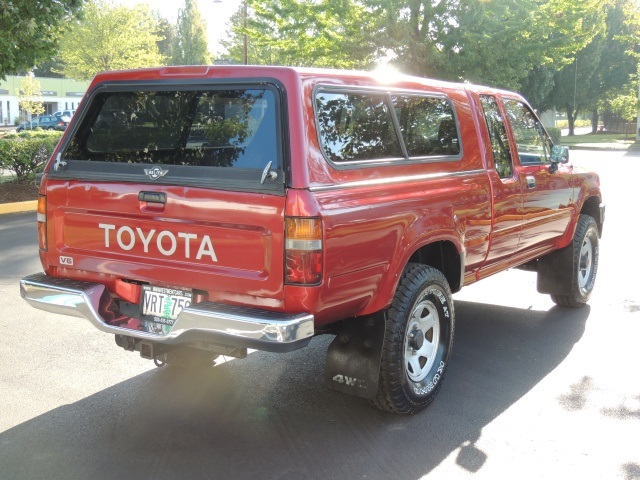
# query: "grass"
(599, 138)
(6, 177)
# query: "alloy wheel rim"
(585, 266)
(421, 340)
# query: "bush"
(577, 124)
(27, 152)
(555, 134)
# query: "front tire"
(419, 328)
(586, 254)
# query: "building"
(57, 94)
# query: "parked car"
(23, 126)
(46, 122)
(66, 114)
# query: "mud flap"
(353, 358)
(555, 271)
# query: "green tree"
(411, 31)
(616, 76)
(496, 42)
(30, 96)
(49, 69)
(109, 37)
(190, 46)
(621, 105)
(600, 71)
(318, 33)
(537, 85)
(166, 38)
(573, 83)
(30, 30)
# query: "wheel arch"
(444, 256)
(440, 250)
(591, 207)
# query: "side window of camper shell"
(428, 125)
(370, 126)
(356, 127)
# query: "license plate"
(163, 305)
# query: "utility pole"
(245, 42)
(638, 120)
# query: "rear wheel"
(586, 252)
(418, 339)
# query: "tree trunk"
(594, 120)
(571, 120)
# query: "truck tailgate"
(199, 238)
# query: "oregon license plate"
(163, 305)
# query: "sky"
(216, 13)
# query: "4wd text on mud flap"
(350, 381)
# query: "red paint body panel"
(243, 229)
(229, 245)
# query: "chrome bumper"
(208, 322)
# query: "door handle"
(153, 197)
(531, 182)
(152, 202)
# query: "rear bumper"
(207, 322)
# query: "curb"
(600, 149)
(16, 207)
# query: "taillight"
(303, 251)
(42, 222)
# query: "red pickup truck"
(203, 211)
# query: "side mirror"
(559, 154)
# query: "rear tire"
(586, 254)
(419, 328)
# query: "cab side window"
(498, 136)
(533, 143)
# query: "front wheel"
(418, 339)
(586, 253)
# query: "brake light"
(42, 222)
(303, 251)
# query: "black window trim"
(387, 93)
(202, 84)
(499, 100)
(523, 102)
